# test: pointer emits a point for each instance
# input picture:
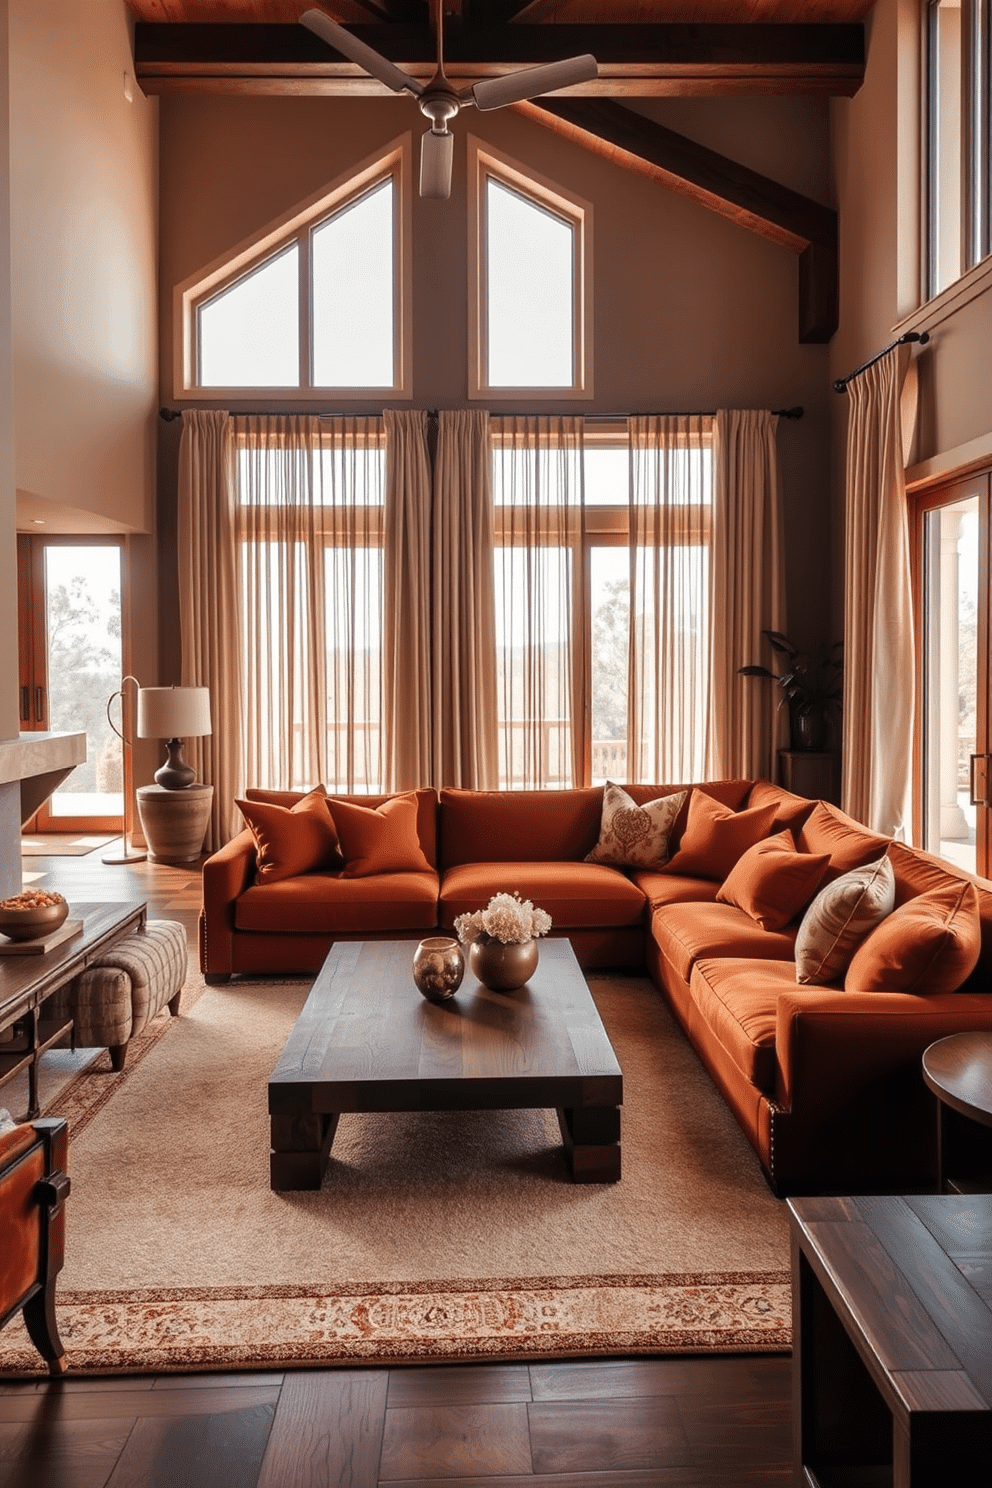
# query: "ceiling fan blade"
(356, 51)
(516, 87)
(437, 152)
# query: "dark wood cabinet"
(811, 772)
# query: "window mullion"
(306, 307)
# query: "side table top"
(958, 1069)
(912, 1276)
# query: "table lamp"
(174, 714)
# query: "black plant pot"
(810, 731)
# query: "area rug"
(436, 1236)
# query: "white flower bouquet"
(506, 918)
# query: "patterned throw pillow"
(632, 836)
(841, 916)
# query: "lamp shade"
(173, 712)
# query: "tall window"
(959, 138)
(311, 494)
(602, 599)
(530, 248)
(316, 303)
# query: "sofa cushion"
(841, 916)
(772, 882)
(686, 933)
(715, 837)
(380, 839)
(573, 894)
(514, 826)
(737, 1008)
(791, 811)
(929, 945)
(327, 903)
(850, 845)
(290, 840)
(426, 810)
(632, 836)
(669, 888)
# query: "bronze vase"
(503, 968)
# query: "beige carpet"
(435, 1236)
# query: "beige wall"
(691, 312)
(84, 227)
(876, 159)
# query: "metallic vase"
(438, 967)
(503, 968)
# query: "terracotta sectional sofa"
(824, 1081)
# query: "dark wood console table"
(27, 982)
(892, 1340)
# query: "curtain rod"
(171, 414)
(840, 385)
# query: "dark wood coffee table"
(367, 1041)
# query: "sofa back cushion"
(550, 826)
(426, 811)
(929, 945)
(849, 844)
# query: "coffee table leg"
(301, 1146)
(592, 1140)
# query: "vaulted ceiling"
(644, 48)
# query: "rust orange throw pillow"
(291, 839)
(383, 840)
(772, 882)
(928, 945)
(715, 837)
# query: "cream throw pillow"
(841, 916)
(632, 836)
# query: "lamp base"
(127, 855)
(175, 774)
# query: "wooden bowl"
(33, 922)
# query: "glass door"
(70, 663)
(955, 768)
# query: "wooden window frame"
(485, 162)
(298, 225)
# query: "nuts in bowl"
(31, 914)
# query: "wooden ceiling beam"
(719, 184)
(636, 60)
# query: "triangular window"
(531, 318)
(312, 306)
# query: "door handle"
(25, 704)
(975, 798)
(39, 705)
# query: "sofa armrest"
(831, 1045)
(226, 875)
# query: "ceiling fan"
(439, 101)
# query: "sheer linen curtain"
(670, 524)
(542, 652)
(312, 494)
(408, 678)
(463, 609)
(747, 593)
(209, 608)
(879, 649)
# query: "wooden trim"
(719, 184)
(950, 465)
(640, 59)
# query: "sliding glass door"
(70, 663)
(954, 761)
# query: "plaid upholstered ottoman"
(113, 1000)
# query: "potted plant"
(811, 685)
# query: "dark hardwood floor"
(702, 1422)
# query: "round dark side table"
(958, 1069)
